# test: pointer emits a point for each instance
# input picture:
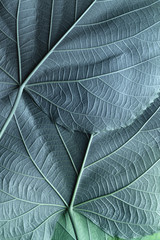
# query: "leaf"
(37, 173)
(79, 119)
(64, 230)
(87, 230)
(99, 67)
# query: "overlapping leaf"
(95, 72)
(104, 73)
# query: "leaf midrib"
(18, 43)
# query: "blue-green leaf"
(79, 119)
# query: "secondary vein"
(39, 170)
(121, 189)
(66, 148)
(12, 112)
